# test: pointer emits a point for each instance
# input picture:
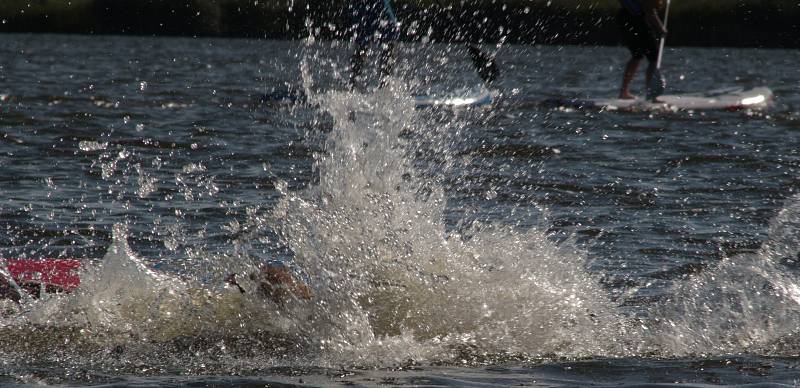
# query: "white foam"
(743, 303)
(389, 269)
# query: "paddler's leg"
(386, 62)
(357, 64)
(627, 77)
(365, 21)
(629, 29)
(388, 34)
(651, 69)
(650, 50)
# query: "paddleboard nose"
(40, 275)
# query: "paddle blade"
(484, 64)
(656, 86)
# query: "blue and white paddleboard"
(720, 99)
(466, 98)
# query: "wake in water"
(746, 303)
(392, 281)
(127, 311)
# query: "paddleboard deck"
(479, 97)
(39, 276)
(466, 98)
(731, 99)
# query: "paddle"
(484, 63)
(657, 81)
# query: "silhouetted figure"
(485, 64)
(375, 23)
(641, 28)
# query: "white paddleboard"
(465, 98)
(720, 99)
(477, 97)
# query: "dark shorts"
(371, 24)
(637, 36)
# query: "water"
(517, 245)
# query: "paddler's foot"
(625, 95)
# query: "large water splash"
(745, 303)
(122, 303)
(394, 281)
(372, 235)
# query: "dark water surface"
(518, 245)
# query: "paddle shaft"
(663, 39)
(387, 6)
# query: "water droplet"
(88, 146)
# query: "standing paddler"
(641, 28)
(374, 22)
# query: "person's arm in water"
(280, 284)
(276, 282)
(651, 17)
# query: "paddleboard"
(477, 97)
(465, 98)
(721, 99)
(38, 276)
